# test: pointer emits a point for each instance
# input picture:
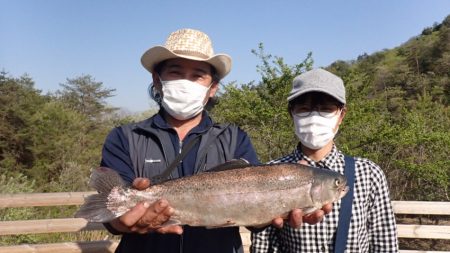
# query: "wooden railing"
(75, 224)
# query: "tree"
(42, 137)
(86, 96)
(19, 100)
(262, 109)
(60, 136)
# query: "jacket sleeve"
(245, 148)
(116, 155)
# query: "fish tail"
(95, 207)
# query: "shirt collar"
(329, 161)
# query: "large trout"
(246, 196)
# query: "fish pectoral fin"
(171, 222)
(228, 223)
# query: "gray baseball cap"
(318, 80)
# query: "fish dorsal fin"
(229, 165)
(104, 179)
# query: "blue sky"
(52, 40)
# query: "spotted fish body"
(246, 196)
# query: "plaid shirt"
(372, 226)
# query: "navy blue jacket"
(116, 155)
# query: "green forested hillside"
(398, 102)
(398, 117)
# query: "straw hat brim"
(157, 54)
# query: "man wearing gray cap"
(363, 221)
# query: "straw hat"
(189, 44)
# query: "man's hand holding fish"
(146, 217)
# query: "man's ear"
(342, 115)
(156, 81)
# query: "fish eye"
(337, 182)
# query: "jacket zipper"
(180, 148)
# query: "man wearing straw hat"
(180, 140)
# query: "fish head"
(328, 186)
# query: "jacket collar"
(158, 121)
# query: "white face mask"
(315, 131)
(183, 99)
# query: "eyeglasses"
(326, 111)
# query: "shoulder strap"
(345, 212)
(166, 173)
(229, 153)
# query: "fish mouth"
(343, 191)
